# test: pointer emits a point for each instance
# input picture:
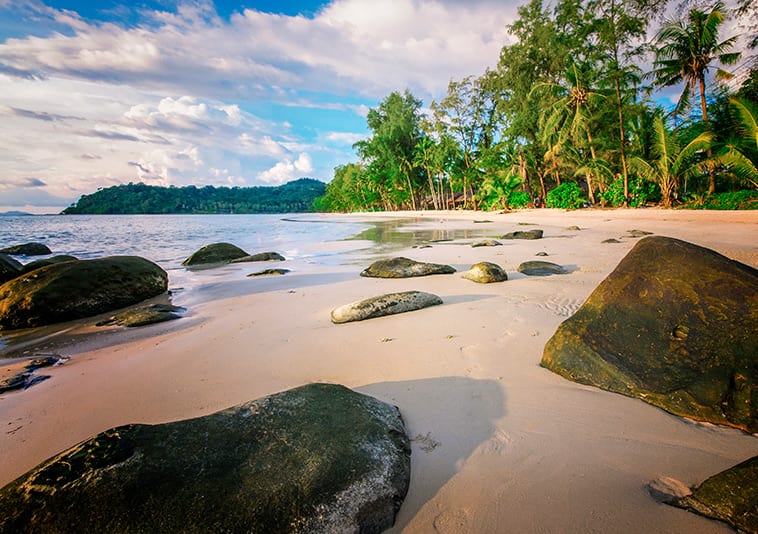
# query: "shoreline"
(499, 443)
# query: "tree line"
(566, 119)
(292, 197)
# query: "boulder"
(27, 249)
(487, 243)
(318, 458)
(404, 268)
(261, 256)
(215, 253)
(270, 272)
(145, 315)
(382, 305)
(9, 268)
(730, 496)
(36, 264)
(540, 268)
(523, 234)
(485, 273)
(75, 289)
(674, 325)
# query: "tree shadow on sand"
(447, 419)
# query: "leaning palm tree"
(740, 153)
(671, 162)
(686, 50)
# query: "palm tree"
(736, 153)
(686, 49)
(671, 163)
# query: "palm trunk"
(589, 174)
(711, 170)
(622, 140)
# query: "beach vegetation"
(567, 117)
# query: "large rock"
(404, 268)
(485, 272)
(260, 256)
(75, 289)
(27, 249)
(215, 253)
(382, 305)
(318, 458)
(9, 268)
(675, 325)
(37, 264)
(144, 315)
(730, 496)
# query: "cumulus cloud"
(287, 170)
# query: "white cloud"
(287, 170)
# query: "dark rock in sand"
(261, 256)
(382, 305)
(485, 273)
(404, 268)
(487, 243)
(318, 458)
(521, 234)
(75, 289)
(37, 264)
(145, 315)
(611, 240)
(26, 377)
(9, 268)
(543, 253)
(675, 325)
(270, 272)
(573, 228)
(540, 268)
(730, 496)
(638, 233)
(27, 249)
(215, 253)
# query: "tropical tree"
(740, 153)
(686, 51)
(671, 163)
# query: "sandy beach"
(499, 443)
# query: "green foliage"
(641, 192)
(295, 196)
(496, 189)
(518, 199)
(567, 196)
(731, 200)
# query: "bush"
(518, 199)
(568, 195)
(731, 200)
(640, 193)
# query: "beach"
(499, 443)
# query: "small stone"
(389, 304)
(611, 240)
(269, 272)
(638, 233)
(485, 273)
(261, 256)
(543, 253)
(487, 243)
(540, 268)
(144, 315)
(573, 228)
(528, 234)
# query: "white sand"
(500, 444)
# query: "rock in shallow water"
(27, 249)
(145, 315)
(9, 268)
(261, 256)
(215, 253)
(382, 305)
(485, 273)
(730, 496)
(674, 325)
(404, 268)
(318, 458)
(76, 289)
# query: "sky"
(226, 93)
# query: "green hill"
(295, 196)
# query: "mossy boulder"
(37, 264)
(318, 458)
(540, 268)
(144, 315)
(260, 256)
(27, 249)
(9, 268)
(523, 234)
(75, 289)
(485, 272)
(730, 496)
(383, 305)
(215, 253)
(674, 325)
(404, 268)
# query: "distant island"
(14, 213)
(292, 197)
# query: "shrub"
(731, 200)
(568, 195)
(640, 193)
(518, 199)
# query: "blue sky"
(233, 93)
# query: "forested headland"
(569, 117)
(292, 197)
